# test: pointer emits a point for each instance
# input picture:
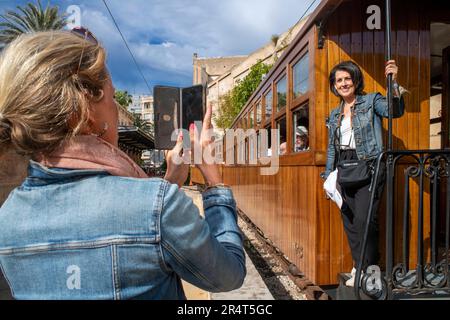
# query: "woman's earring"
(105, 128)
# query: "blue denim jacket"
(367, 126)
(84, 234)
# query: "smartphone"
(176, 108)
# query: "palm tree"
(146, 126)
(31, 18)
(123, 98)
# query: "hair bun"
(5, 129)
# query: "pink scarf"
(91, 152)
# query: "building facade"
(220, 75)
(125, 116)
(147, 109)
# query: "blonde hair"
(47, 80)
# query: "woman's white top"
(347, 136)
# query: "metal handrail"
(431, 164)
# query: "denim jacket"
(367, 126)
(84, 234)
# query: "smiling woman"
(354, 141)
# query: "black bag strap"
(337, 133)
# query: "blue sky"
(164, 34)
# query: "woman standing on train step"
(355, 133)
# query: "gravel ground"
(278, 282)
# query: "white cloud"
(209, 28)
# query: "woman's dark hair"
(354, 71)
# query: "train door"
(440, 104)
(445, 133)
(445, 136)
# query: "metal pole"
(389, 165)
(389, 79)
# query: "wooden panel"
(424, 77)
(339, 244)
(285, 206)
(413, 77)
(368, 61)
(319, 61)
(324, 235)
(344, 15)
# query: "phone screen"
(193, 105)
(175, 108)
(167, 115)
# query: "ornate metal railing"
(430, 171)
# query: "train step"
(342, 292)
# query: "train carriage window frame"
(266, 106)
(305, 96)
(258, 114)
(301, 61)
(278, 125)
(268, 128)
(252, 117)
(301, 129)
(280, 107)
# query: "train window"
(281, 126)
(300, 120)
(258, 146)
(266, 144)
(246, 151)
(258, 113)
(281, 93)
(219, 150)
(268, 102)
(253, 145)
(301, 76)
(241, 153)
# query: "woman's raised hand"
(391, 68)
(177, 169)
(203, 143)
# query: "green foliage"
(28, 19)
(227, 111)
(145, 126)
(232, 102)
(123, 98)
(274, 38)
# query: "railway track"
(281, 276)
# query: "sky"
(163, 35)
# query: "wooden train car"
(290, 207)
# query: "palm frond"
(30, 18)
(10, 25)
(16, 19)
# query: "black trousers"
(354, 212)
